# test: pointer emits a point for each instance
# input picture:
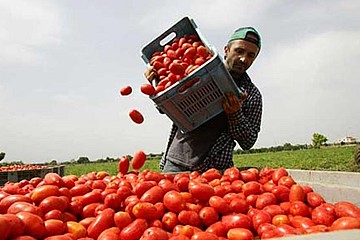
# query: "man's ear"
(226, 51)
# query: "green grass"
(329, 158)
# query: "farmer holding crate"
(211, 145)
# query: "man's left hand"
(232, 103)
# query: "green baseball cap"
(242, 33)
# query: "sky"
(62, 63)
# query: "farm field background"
(339, 158)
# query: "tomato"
(89, 210)
(204, 236)
(285, 229)
(285, 206)
(110, 234)
(17, 207)
(122, 219)
(274, 209)
(202, 51)
(287, 181)
(324, 214)
(136, 116)
(265, 199)
(279, 173)
(16, 226)
(314, 199)
(296, 193)
(211, 174)
(343, 223)
(7, 201)
(147, 89)
(239, 205)
(190, 53)
(141, 187)
(238, 220)
(54, 203)
(347, 209)
(91, 197)
(174, 201)
(280, 219)
(201, 191)
(240, 233)
(24, 238)
(77, 229)
(281, 193)
(208, 215)
(102, 221)
(265, 227)
(66, 236)
(167, 185)
(54, 227)
(138, 160)
(302, 222)
(251, 187)
(169, 220)
(33, 224)
(219, 204)
(134, 230)
(4, 227)
(299, 208)
(248, 176)
(189, 217)
(126, 90)
(153, 195)
(155, 233)
(176, 68)
(79, 190)
(144, 210)
(259, 218)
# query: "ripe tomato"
(77, 229)
(7, 201)
(124, 164)
(314, 199)
(138, 160)
(155, 233)
(281, 193)
(188, 217)
(208, 215)
(200, 235)
(217, 228)
(53, 179)
(153, 195)
(201, 191)
(347, 209)
(296, 193)
(102, 221)
(176, 68)
(238, 220)
(265, 199)
(169, 221)
(144, 210)
(54, 203)
(345, 223)
(54, 227)
(4, 227)
(136, 116)
(279, 173)
(280, 219)
(126, 90)
(44, 191)
(219, 204)
(299, 208)
(202, 51)
(15, 225)
(17, 207)
(240, 233)
(147, 89)
(174, 201)
(239, 205)
(302, 222)
(251, 187)
(33, 224)
(122, 219)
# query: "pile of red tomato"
(146, 205)
(21, 167)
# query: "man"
(211, 145)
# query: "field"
(327, 158)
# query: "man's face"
(240, 54)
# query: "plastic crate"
(190, 107)
(59, 170)
(17, 176)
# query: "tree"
(2, 156)
(83, 160)
(318, 139)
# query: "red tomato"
(79, 190)
(280, 219)
(54, 203)
(287, 181)
(77, 229)
(208, 215)
(301, 222)
(201, 191)
(134, 230)
(147, 89)
(124, 164)
(248, 176)
(136, 116)
(144, 210)
(176, 68)
(238, 220)
(110, 234)
(188, 217)
(138, 160)
(281, 193)
(102, 221)
(251, 187)
(155, 233)
(44, 191)
(33, 224)
(265, 199)
(122, 219)
(343, 223)
(4, 227)
(347, 209)
(202, 51)
(204, 236)
(274, 209)
(17, 207)
(141, 187)
(279, 173)
(299, 208)
(314, 199)
(174, 201)
(53, 179)
(296, 193)
(259, 218)
(112, 200)
(239, 205)
(153, 195)
(240, 233)
(169, 221)
(217, 228)
(16, 226)
(54, 227)
(126, 90)
(219, 204)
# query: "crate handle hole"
(168, 38)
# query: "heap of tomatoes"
(22, 167)
(235, 204)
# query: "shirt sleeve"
(244, 125)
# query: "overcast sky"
(63, 62)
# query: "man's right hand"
(150, 74)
